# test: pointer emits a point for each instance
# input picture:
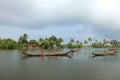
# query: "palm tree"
(114, 43)
(77, 42)
(85, 42)
(41, 44)
(58, 43)
(25, 36)
(72, 40)
(22, 42)
(53, 41)
(90, 39)
(32, 41)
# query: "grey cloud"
(60, 12)
(107, 33)
(34, 14)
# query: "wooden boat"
(103, 54)
(47, 54)
(112, 49)
(75, 50)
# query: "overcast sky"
(78, 19)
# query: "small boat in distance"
(112, 51)
(103, 54)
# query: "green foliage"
(32, 41)
(64, 46)
(22, 42)
(8, 44)
(70, 45)
(72, 40)
(98, 45)
(89, 39)
(54, 42)
(77, 42)
(59, 41)
(85, 42)
(115, 43)
(50, 42)
(78, 45)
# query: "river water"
(76, 66)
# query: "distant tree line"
(54, 42)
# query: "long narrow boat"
(75, 50)
(47, 54)
(112, 49)
(103, 54)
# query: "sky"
(78, 19)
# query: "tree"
(24, 38)
(53, 39)
(114, 43)
(72, 40)
(22, 42)
(90, 39)
(70, 45)
(77, 42)
(41, 43)
(58, 42)
(8, 44)
(85, 42)
(32, 41)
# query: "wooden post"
(43, 51)
(57, 51)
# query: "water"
(80, 66)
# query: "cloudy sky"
(78, 19)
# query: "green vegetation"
(22, 42)
(54, 42)
(106, 44)
(8, 44)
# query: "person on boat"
(56, 51)
(112, 52)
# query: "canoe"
(103, 54)
(112, 49)
(99, 54)
(75, 50)
(47, 54)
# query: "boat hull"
(47, 54)
(103, 54)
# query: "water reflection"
(43, 57)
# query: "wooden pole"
(57, 51)
(43, 51)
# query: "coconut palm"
(41, 43)
(90, 39)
